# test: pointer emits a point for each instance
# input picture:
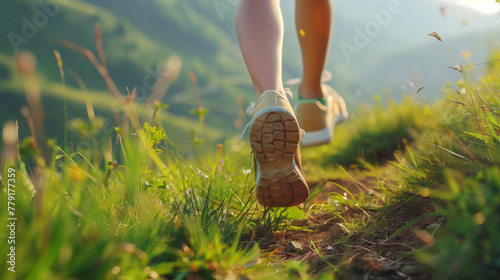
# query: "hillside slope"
(138, 37)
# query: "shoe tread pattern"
(274, 138)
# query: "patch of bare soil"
(364, 252)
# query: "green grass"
(455, 163)
(83, 215)
(134, 207)
(371, 136)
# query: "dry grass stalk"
(98, 65)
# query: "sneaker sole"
(274, 138)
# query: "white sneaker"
(274, 137)
(319, 120)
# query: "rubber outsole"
(274, 138)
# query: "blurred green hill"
(138, 37)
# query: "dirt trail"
(365, 253)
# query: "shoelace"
(325, 77)
(250, 109)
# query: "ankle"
(310, 92)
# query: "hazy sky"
(378, 43)
(486, 7)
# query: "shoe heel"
(274, 138)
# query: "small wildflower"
(9, 134)
(26, 62)
(247, 171)
(426, 237)
(115, 270)
(154, 275)
(466, 54)
(219, 151)
(58, 58)
(425, 192)
(479, 218)
(76, 173)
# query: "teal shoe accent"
(312, 100)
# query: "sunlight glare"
(486, 7)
